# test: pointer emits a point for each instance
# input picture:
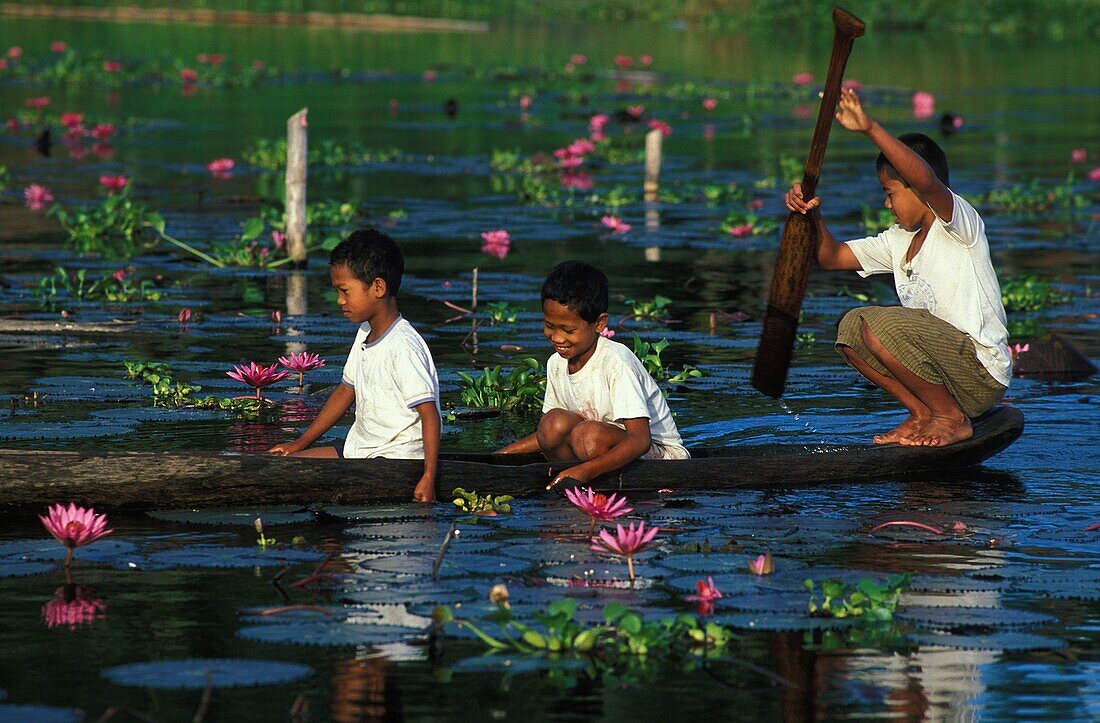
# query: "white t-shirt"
(951, 276)
(612, 386)
(391, 376)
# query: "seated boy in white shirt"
(602, 407)
(389, 374)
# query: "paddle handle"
(796, 248)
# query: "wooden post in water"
(652, 163)
(297, 166)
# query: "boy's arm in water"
(338, 403)
(913, 169)
(429, 427)
(633, 445)
(526, 445)
(830, 254)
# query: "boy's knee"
(590, 439)
(556, 425)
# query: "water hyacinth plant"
(74, 526)
(257, 375)
(478, 504)
(520, 390)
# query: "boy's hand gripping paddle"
(792, 266)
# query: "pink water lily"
(184, 316)
(579, 180)
(301, 363)
(1078, 155)
(659, 125)
(709, 104)
(103, 131)
(706, 593)
(624, 61)
(1094, 174)
(13, 125)
(71, 119)
(1017, 349)
(257, 375)
(741, 230)
(40, 102)
(924, 104)
(278, 238)
(189, 75)
(74, 526)
(802, 78)
(762, 565)
(58, 46)
(496, 243)
(221, 167)
(614, 224)
(598, 121)
(119, 275)
(114, 183)
(112, 66)
(72, 607)
(15, 52)
(599, 507)
(36, 197)
(627, 542)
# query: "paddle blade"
(792, 269)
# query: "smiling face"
(910, 212)
(573, 338)
(358, 301)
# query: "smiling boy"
(601, 407)
(389, 375)
(944, 352)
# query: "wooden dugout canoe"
(151, 480)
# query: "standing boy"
(602, 407)
(389, 374)
(944, 352)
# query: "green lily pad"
(197, 673)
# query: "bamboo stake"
(297, 166)
(473, 292)
(652, 163)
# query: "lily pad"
(553, 552)
(459, 565)
(601, 574)
(194, 673)
(101, 551)
(955, 618)
(954, 584)
(426, 529)
(459, 546)
(12, 713)
(1007, 642)
(16, 568)
(386, 513)
(516, 664)
(729, 583)
(237, 516)
(217, 556)
(410, 595)
(329, 634)
(780, 622)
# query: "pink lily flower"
(803, 78)
(709, 104)
(278, 238)
(1094, 174)
(744, 229)
(13, 125)
(277, 317)
(599, 507)
(71, 119)
(924, 104)
(189, 75)
(607, 332)
(567, 161)
(114, 183)
(762, 565)
(38, 103)
(74, 526)
(103, 131)
(615, 224)
(302, 363)
(581, 147)
(1017, 349)
(626, 542)
(112, 66)
(36, 197)
(659, 125)
(646, 60)
(635, 110)
(119, 275)
(221, 167)
(430, 75)
(15, 52)
(1078, 155)
(524, 102)
(624, 61)
(257, 65)
(72, 607)
(257, 375)
(103, 150)
(706, 595)
(184, 316)
(578, 59)
(58, 46)
(496, 243)
(598, 121)
(217, 59)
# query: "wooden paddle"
(792, 266)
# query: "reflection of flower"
(706, 594)
(626, 541)
(257, 375)
(496, 243)
(74, 526)
(36, 197)
(302, 363)
(579, 180)
(73, 606)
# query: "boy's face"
(906, 206)
(573, 338)
(359, 301)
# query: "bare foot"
(906, 428)
(940, 432)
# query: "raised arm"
(342, 397)
(912, 169)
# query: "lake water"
(1024, 108)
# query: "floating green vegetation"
(1037, 198)
(869, 600)
(501, 312)
(655, 309)
(739, 223)
(650, 354)
(520, 389)
(876, 220)
(5, 177)
(790, 170)
(118, 227)
(477, 504)
(712, 194)
(270, 153)
(117, 287)
(1030, 293)
(623, 645)
(170, 392)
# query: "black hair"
(371, 254)
(580, 286)
(924, 147)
